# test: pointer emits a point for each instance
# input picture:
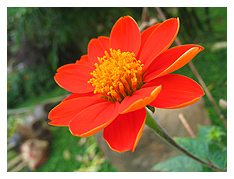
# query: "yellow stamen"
(126, 85)
(118, 75)
(134, 84)
(122, 89)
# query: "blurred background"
(39, 40)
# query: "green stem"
(151, 123)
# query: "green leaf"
(180, 163)
(203, 132)
(196, 146)
(209, 145)
(219, 158)
(211, 133)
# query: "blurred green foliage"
(29, 83)
(70, 153)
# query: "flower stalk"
(154, 125)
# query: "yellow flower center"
(118, 75)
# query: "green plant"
(22, 85)
(210, 144)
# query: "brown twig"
(194, 70)
(208, 94)
(145, 20)
(186, 125)
(145, 15)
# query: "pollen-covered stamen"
(118, 75)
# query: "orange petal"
(94, 118)
(125, 131)
(159, 41)
(177, 91)
(84, 60)
(62, 114)
(125, 35)
(97, 47)
(146, 33)
(74, 78)
(171, 60)
(139, 99)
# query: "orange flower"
(119, 76)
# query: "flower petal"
(97, 48)
(177, 91)
(125, 35)
(78, 95)
(139, 99)
(74, 78)
(125, 131)
(94, 118)
(84, 60)
(159, 41)
(171, 60)
(146, 33)
(62, 114)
